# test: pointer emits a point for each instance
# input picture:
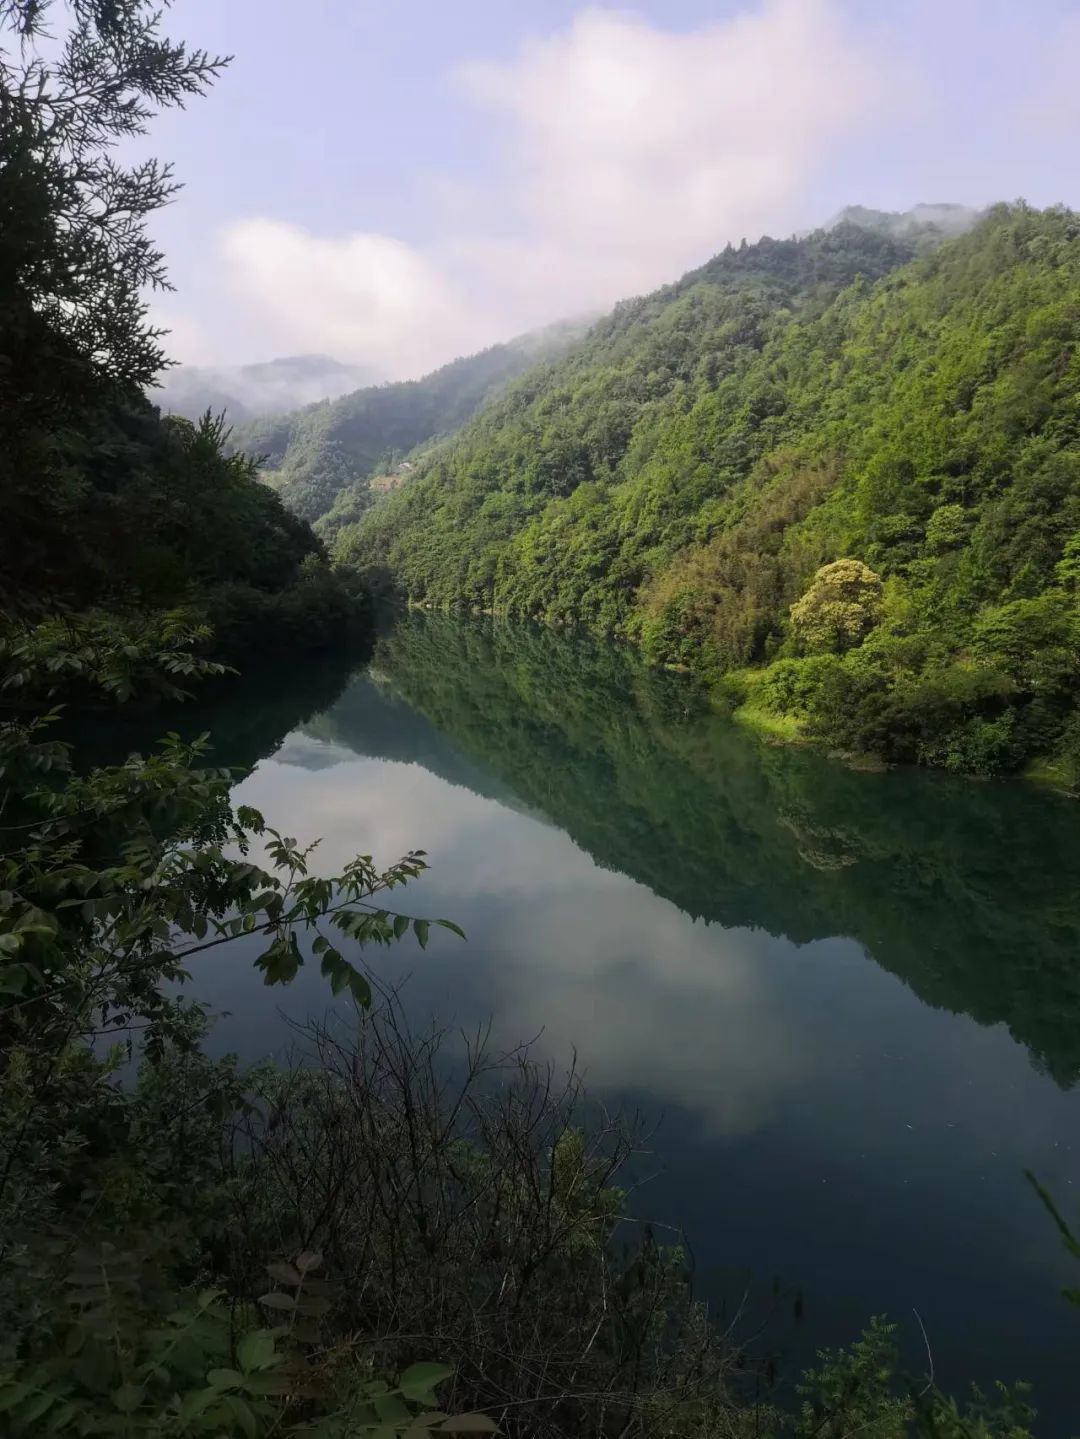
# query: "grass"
(1057, 773)
(736, 696)
(770, 725)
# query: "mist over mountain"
(267, 388)
(927, 222)
(329, 460)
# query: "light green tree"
(839, 609)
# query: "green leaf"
(452, 927)
(420, 929)
(194, 1402)
(241, 1412)
(36, 1406)
(391, 1410)
(12, 1395)
(61, 1416)
(277, 1300)
(423, 1424)
(224, 1379)
(401, 924)
(359, 988)
(284, 1273)
(419, 1380)
(13, 977)
(309, 1259)
(127, 1398)
(256, 1351)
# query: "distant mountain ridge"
(321, 458)
(267, 388)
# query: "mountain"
(839, 482)
(244, 391)
(314, 455)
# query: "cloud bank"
(628, 154)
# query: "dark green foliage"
(320, 458)
(102, 503)
(683, 474)
(155, 511)
(854, 1390)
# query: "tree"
(839, 609)
(77, 257)
(76, 344)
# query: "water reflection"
(967, 892)
(856, 998)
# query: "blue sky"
(398, 183)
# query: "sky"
(398, 182)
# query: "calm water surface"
(851, 1000)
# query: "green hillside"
(321, 457)
(682, 477)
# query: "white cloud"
(186, 342)
(365, 296)
(630, 154)
(636, 153)
(559, 944)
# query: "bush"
(949, 527)
(324, 608)
(910, 717)
(793, 686)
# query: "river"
(849, 1002)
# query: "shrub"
(948, 528)
(792, 686)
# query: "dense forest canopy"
(687, 474)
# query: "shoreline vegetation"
(774, 727)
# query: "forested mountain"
(244, 391)
(330, 450)
(821, 456)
